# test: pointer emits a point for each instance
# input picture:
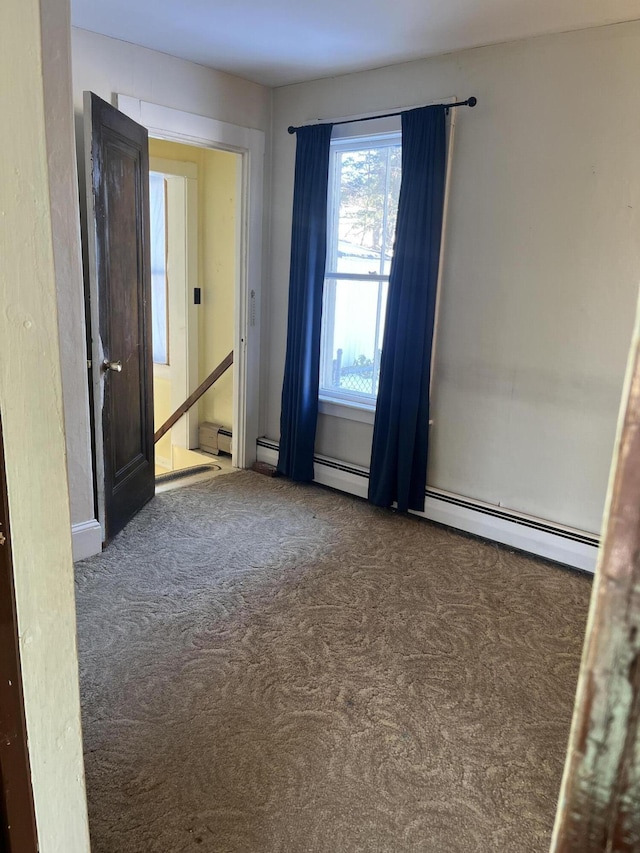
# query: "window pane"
(352, 359)
(368, 185)
(363, 201)
(159, 324)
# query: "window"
(364, 185)
(159, 314)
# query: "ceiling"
(276, 42)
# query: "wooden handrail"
(193, 398)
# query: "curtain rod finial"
(291, 129)
(472, 101)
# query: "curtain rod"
(470, 102)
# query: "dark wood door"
(118, 181)
(17, 822)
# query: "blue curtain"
(299, 413)
(401, 429)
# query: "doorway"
(167, 123)
(246, 146)
(195, 263)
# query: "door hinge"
(197, 296)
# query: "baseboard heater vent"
(183, 473)
(566, 545)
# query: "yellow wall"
(38, 216)
(161, 411)
(219, 273)
(217, 251)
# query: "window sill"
(347, 411)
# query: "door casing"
(178, 126)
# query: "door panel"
(119, 194)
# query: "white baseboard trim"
(86, 539)
(566, 545)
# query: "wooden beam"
(599, 807)
(193, 398)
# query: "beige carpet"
(270, 667)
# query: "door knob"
(116, 366)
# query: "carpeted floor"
(272, 667)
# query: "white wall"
(105, 66)
(37, 244)
(63, 180)
(542, 263)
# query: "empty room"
(360, 283)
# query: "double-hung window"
(364, 185)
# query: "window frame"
(352, 405)
(156, 177)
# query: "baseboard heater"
(214, 438)
(567, 545)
